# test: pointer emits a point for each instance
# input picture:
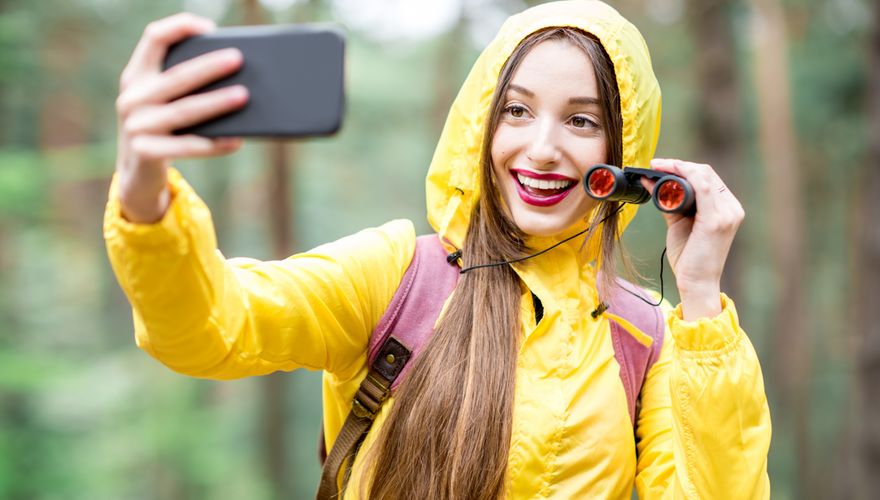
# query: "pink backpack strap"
(415, 307)
(402, 332)
(634, 358)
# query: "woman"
(518, 393)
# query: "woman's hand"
(697, 247)
(153, 103)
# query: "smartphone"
(294, 75)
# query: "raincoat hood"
(453, 183)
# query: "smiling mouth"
(543, 191)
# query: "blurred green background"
(781, 96)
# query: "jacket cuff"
(169, 232)
(706, 334)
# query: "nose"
(543, 149)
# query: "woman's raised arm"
(153, 103)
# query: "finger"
(161, 147)
(702, 179)
(186, 111)
(716, 203)
(693, 172)
(180, 79)
(648, 184)
(158, 36)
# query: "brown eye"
(582, 122)
(515, 111)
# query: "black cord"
(599, 310)
(602, 307)
(514, 261)
(662, 292)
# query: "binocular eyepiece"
(672, 194)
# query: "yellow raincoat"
(704, 426)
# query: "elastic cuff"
(168, 232)
(706, 334)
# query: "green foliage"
(17, 56)
(23, 185)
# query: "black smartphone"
(294, 75)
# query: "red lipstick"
(533, 196)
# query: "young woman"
(518, 393)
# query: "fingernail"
(236, 95)
(231, 54)
(229, 142)
(237, 91)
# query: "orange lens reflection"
(601, 183)
(670, 195)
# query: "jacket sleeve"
(207, 316)
(704, 426)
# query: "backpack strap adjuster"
(373, 391)
(360, 410)
(376, 387)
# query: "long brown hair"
(448, 434)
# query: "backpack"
(408, 323)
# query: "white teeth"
(542, 184)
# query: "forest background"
(781, 96)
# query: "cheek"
(594, 153)
(501, 147)
(499, 173)
(602, 150)
(497, 153)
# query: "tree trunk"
(782, 181)
(717, 120)
(448, 80)
(274, 386)
(64, 122)
(867, 237)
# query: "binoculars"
(672, 194)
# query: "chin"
(541, 226)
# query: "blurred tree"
(782, 181)
(447, 80)
(867, 240)
(274, 386)
(717, 121)
(276, 431)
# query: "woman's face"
(549, 133)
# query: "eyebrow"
(584, 100)
(574, 100)
(522, 90)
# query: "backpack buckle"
(361, 411)
(374, 390)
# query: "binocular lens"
(670, 195)
(601, 183)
